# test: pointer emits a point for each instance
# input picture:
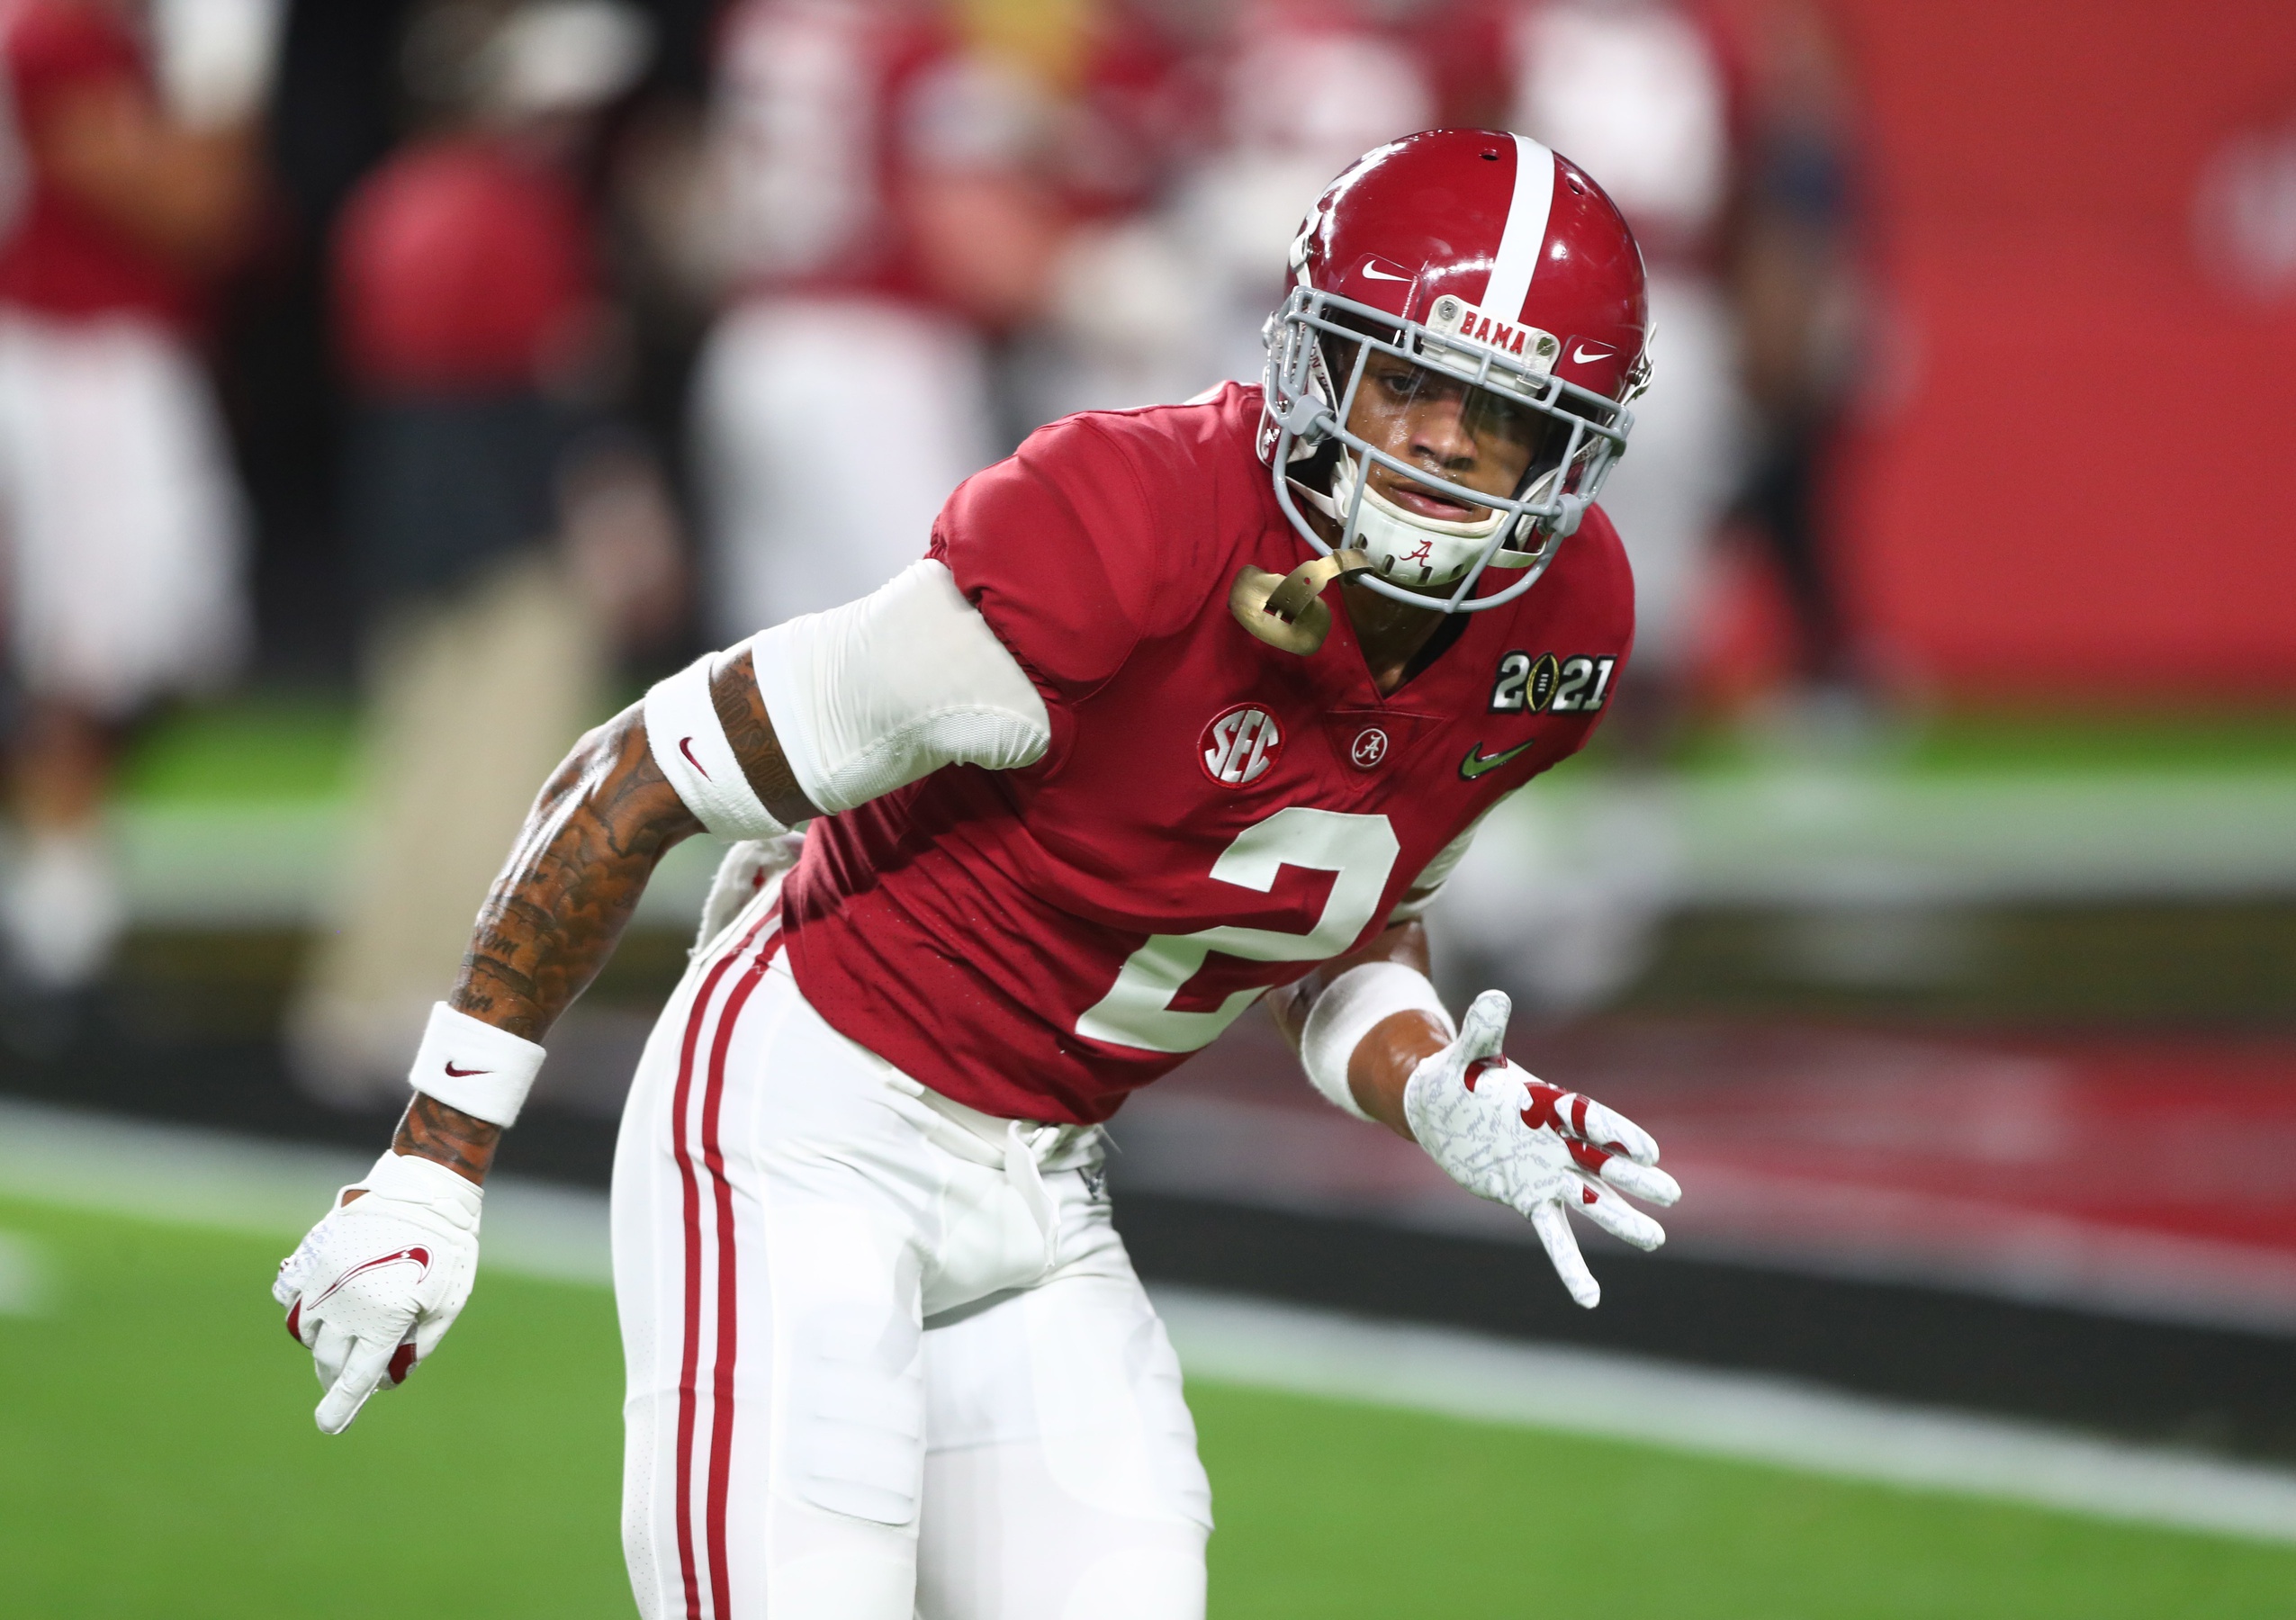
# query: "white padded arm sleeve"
(873, 695)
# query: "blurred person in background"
(1135, 84)
(1250, 110)
(1799, 294)
(873, 202)
(507, 530)
(121, 198)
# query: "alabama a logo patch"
(1240, 745)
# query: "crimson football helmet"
(1481, 266)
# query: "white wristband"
(1345, 1013)
(688, 743)
(473, 1067)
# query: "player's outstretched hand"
(375, 1285)
(1504, 1134)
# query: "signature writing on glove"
(1505, 1134)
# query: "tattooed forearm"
(590, 843)
(741, 710)
(449, 1136)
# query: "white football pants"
(887, 1355)
(829, 431)
(121, 522)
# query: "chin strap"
(1289, 612)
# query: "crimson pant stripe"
(690, 1197)
(721, 1406)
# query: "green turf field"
(157, 1459)
(296, 747)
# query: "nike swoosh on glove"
(1504, 1134)
(374, 1287)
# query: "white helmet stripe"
(1525, 232)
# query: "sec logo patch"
(1240, 745)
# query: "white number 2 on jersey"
(1137, 1011)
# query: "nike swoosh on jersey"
(1476, 763)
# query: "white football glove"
(1504, 1134)
(374, 1287)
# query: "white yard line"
(1743, 1416)
(209, 1178)
(181, 1174)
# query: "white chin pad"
(1405, 547)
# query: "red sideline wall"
(2079, 470)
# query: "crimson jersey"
(1213, 816)
(831, 117)
(57, 254)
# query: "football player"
(1184, 705)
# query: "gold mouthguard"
(1289, 612)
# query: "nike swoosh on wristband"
(1475, 763)
(454, 1074)
(416, 1252)
(686, 747)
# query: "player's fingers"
(429, 1330)
(369, 1361)
(1643, 1181)
(1561, 1244)
(1620, 1218)
(1612, 1130)
(1484, 1029)
(330, 1348)
(1647, 1182)
(401, 1362)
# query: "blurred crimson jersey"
(1648, 98)
(1341, 76)
(828, 115)
(463, 266)
(1145, 105)
(60, 256)
(1213, 815)
(1162, 87)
